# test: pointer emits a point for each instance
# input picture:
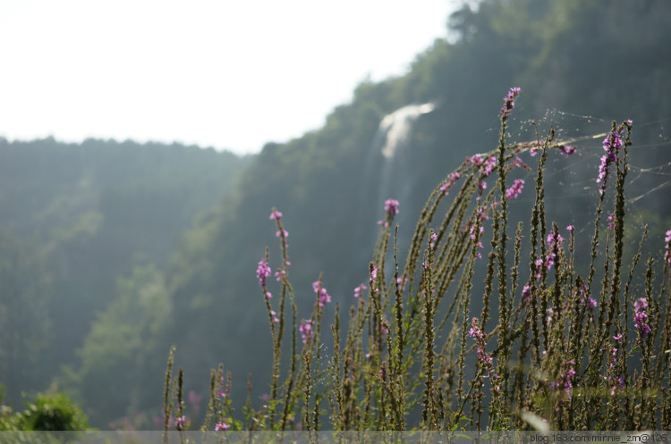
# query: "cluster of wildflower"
(391, 207)
(433, 239)
(358, 290)
(181, 422)
(509, 101)
(280, 275)
(262, 272)
(221, 426)
(486, 359)
(526, 293)
(611, 221)
(641, 317)
(611, 144)
(554, 240)
(486, 165)
(615, 381)
(451, 179)
(476, 229)
(515, 189)
(565, 381)
(373, 274)
(567, 149)
(586, 299)
(306, 330)
(276, 215)
(667, 247)
(323, 296)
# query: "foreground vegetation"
(546, 344)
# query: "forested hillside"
(74, 220)
(580, 65)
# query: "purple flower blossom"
(553, 239)
(221, 427)
(180, 422)
(323, 296)
(613, 141)
(509, 101)
(570, 228)
(451, 179)
(585, 298)
(526, 293)
(611, 144)
(667, 247)
(565, 381)
(515, 189)
(641, 317)
(268, 295)
(282, 233)
(591, 303)
(280, 275)
(275, 215)
(306, 330)
(433, 238)
(373, 273)
(538, 265)
(273, 315)
(616, 381)
(486, 359)
(476, 159)
(262, 272)
(482, 185)
(476, 229)
(567, 149)
(611, 221)
(568, 379)
(475, 332)
(618, 338)
(488, 166)
(391, 207)
(358, 291)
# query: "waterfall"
(395, 127)
(388, 174)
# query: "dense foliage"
(48, 412)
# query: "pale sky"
(228, 74)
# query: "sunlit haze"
(214, 73)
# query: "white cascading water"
(392, 141)
(395, 127)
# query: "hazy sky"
(222, 73)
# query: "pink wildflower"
(515, 189)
